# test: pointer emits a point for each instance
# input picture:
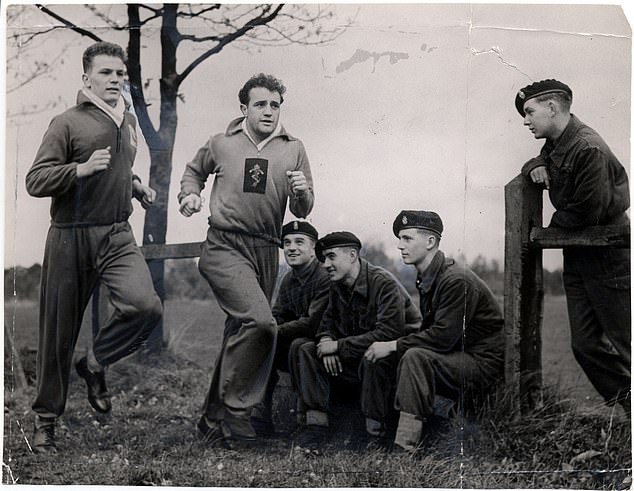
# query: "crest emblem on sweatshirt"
(255, 175)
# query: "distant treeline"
(183, 281)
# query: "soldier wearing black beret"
(336, 239)
(459, 349)
(365, 304)
(301, 300)
(587, 185)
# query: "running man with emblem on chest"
(258, 168)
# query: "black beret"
(427, 220)
(543, 87)
(335, 239)
(297, 227)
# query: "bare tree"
(253, 25)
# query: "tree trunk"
(155, 225)
(160, 142)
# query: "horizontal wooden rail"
(171, 251)
(556, 238)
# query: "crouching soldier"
(300, 304)
(366, 304)
(459, 350)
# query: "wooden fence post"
(523, 294)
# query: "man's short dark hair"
(101, 48)
(261, 80)
(564, 100)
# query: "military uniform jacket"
(459, 314)
(588, 184)
(377, 308)
(301, 301)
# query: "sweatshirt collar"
(115, 113)
(263, 143)
(235, 127)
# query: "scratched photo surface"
(399, 107)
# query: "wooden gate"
(523, 283)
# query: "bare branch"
(196, 39)
(68, 24)
(191, 13)
(151, 9)
(148, 19)
(261, 19)
(111, 23)
(32, 110)
(25, 39)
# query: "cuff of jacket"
(532, 164)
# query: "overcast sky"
(411, 108)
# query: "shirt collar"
(360, 285)
(425, 280)
(305, 271)
(557, 149)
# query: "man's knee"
(378, 368)
(151, 307)
(145, 306)
(205, 270)
(413, 359)
(307, 349)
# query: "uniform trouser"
(313, 383)
(597, 284)
(74, 260)
(241, 271)
(422, 374)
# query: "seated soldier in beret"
(366, 304)
(459, 350)
(301, 300)
(587, 186)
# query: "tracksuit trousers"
(597, 284)
(241, 271)
(75, 259)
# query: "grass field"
(571, 442)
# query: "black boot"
(98, 395)
(44, 436)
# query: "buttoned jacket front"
(376, 308)
(460, 313)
